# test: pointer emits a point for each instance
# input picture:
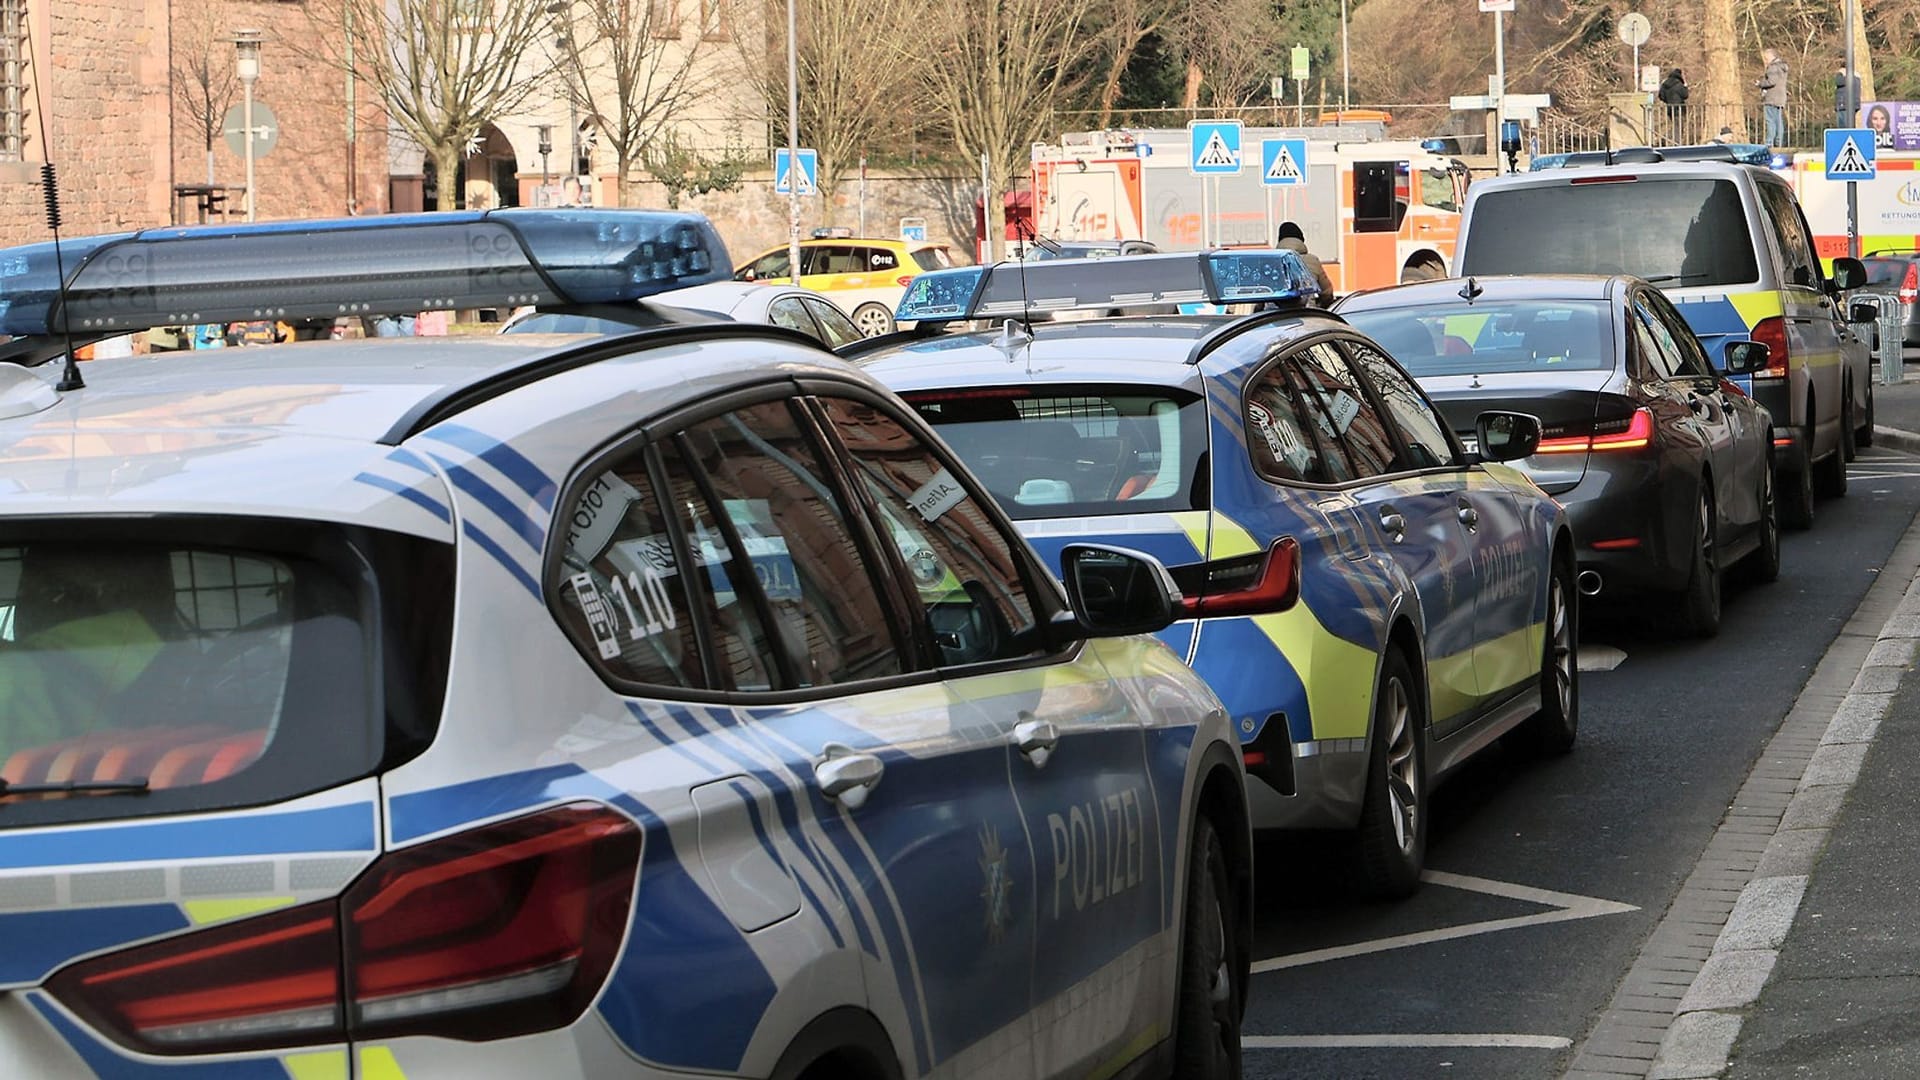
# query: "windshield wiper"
(135, 786)
(1658, 278)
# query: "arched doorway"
(487, 176)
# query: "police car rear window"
(156, 676)
(1539, 336)
(1673, 232)
(1076, 451)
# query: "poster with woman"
(1895, 124)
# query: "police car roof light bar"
(1211, 277)
(361, 266)
(1734, 153)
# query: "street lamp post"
(246, 44)
(546, 147)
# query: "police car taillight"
(1249, 585)
(1772, 332)
(494, 932)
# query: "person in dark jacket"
(1291, 238)
(1673, 94)
(1846, 98)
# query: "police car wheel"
(1393, 816)
(1863, 435)
(1553, 729)
(1796, 510)
(1206, 1041)
(873, 320)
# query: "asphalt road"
(1546, 877)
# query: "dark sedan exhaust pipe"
(1588, 582)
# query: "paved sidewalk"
(1793, 948)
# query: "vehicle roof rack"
(1020, 290)
(358, 266)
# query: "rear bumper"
(1624, 525)
(1329, 781)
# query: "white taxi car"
(669, 704)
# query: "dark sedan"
(1662, 461)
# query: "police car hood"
(281, 431)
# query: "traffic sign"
(1851, 154)
(1496, 5)
(266, 130)
(913, 228)
(783, 173)
(1214, 147)
(1300, 58)
(1279, 88)
(1283, 162)
(1634, 29)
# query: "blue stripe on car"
(418, 498)
(492, 547)
(511, 463)
(334, 828)
(34, 943)
(494, 500)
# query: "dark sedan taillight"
(1631, 432)
(498, 931)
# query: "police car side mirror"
(1848, 274)
(1862, 312)
(1744, 357)
(1116, 592)
(1507, 436)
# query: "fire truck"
(1376, 212)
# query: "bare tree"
(1129, 24)
(442, 69)
(1229, 47)
(203, 82)
(851, 88)
(997, 71)
(636, 68)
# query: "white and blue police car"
(661, 704)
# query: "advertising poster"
(1895, 124)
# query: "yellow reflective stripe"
(1229, 540)
(318, 1065)
(1127, 1054)
(377, 1063)
(1512, 658)
(1754, 306)
(1452, 688)
(1337, 673)
(1194, 524)
(202, 912)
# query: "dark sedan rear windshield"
(1673, 232)
(1077, 451)
(1888, 271)
(1484, 338)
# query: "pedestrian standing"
(1846, 98)
(1291, 238)
(1673, 94)
(1773, 96)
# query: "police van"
(661, 704)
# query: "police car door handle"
(1469, 517)
(847, 777)
(1036, 739)
(1393, 525)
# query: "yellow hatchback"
(865, 276)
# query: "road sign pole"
(1300, 102)
(1853, 117)
(1500, 63)
(793, 145)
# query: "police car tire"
(1796, 509)
(1206, 1040)
(1830, 475)
(1863, 435)
(1553, 729)
(1388, 861)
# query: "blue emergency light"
(360, 266)
(1135, 281)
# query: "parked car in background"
(776, 305)
(1039, 251)
(865, 276)
(1728, 243)
(1373, 603)
(1664, 466)
(1896, 275)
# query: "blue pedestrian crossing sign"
(784, 174)
(1283, 162)
(1214, 148)
(1850, 154)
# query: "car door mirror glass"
(1116, 592)
(1848, 273)
(1862, 312)
(1506, 436)
(1744, 357)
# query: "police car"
(1373, 603)
(638, 706)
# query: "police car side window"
(1796, 250)
(1289, 430)
(770, 490)
(972, 595)
(1420, 426)
(623, 599)
(1367, 434)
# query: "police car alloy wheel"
(1393, 819)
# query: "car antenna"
(1471, 291)
(49, 188)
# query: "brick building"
(121, 86)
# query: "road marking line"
(1600, 657)
(1358, 1042)
(1568, 907)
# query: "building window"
(716, 21)
(663, 18)
(13, 79)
